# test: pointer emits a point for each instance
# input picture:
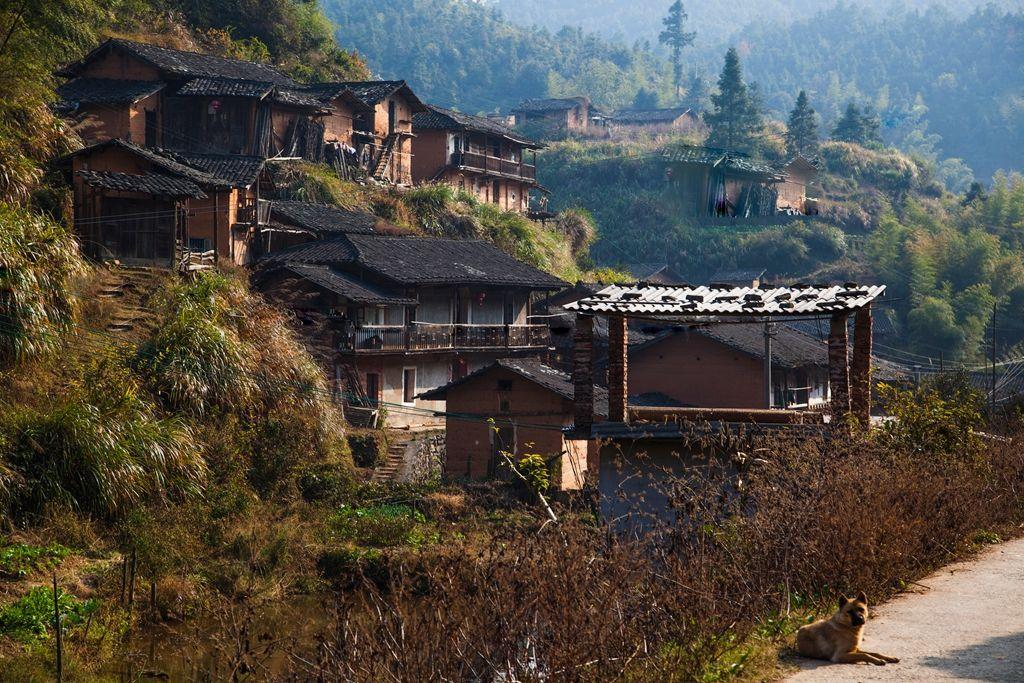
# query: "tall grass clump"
(223, 356)
(101, 448)
(38, 262)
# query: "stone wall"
(423, 457)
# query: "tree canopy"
(736, 119)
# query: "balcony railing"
(494, 165)
(440, 337)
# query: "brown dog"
(837, 639)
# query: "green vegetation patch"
(380, 526)
(31, 617)
(18, 560)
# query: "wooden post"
(131, 581)
(583, 372)
(216, 227)
(839, 367)
(618, 368)
(860, 367)
(56, 630)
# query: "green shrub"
(379, 526)
(18, 560)
(325, 482)
(31, 617)
(368, 448)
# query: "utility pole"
(769, 332)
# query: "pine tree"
(645, 99)
(676, 38)
(850, 127)
(737, 116)
(802, 129)
(870, 126)
(698, 93)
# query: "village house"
(676, 119)
(724, 366)
(190, 102)
(146, 207)
(653, 273)
(381, 129)
(796, 192)
(553, 116)
(476, 155)
(394, 316)
(708, 182)
(530, 404)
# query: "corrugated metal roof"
(733, 301)
(717, 157)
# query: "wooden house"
(474, 154)
(796, 192)
(184, 210)
(394, 316)
(554, 115)
(709, 182)
(677, 119)
(381, 128)
(190, 102)
(530, 404)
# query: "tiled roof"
(737, 277)
(297, 98)
(534, 371)
(147, 183)
(735, 301)
(161, 160)
(368, 92)
(654, 273)
(719, 158)
(343, 284)
(186, 64)
(237, 170)
(106, 91)
(207, 86)
(549, 104)
(322, 218)
(649, 115)
(326, 251)
(790, 348)
(438, 118)
(423, 260)
(429, 260)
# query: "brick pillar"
(839, 367)
(860, 367)
(618, 368)
(583, 371)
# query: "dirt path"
(967, 625)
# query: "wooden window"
(497, 192)
(504, 406)
(150, 128)
(409, 385)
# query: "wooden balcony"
(443, 337)
(485, 163)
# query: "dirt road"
(967, 625)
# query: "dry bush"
(808, 518)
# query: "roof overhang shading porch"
(710, 305)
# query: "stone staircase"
(391, 470)
(128, 290)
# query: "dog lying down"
(837, 638)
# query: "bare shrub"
(807, 518)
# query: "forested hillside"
(939, 97)
(944, 85)
(466, 55)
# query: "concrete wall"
(432, 371)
